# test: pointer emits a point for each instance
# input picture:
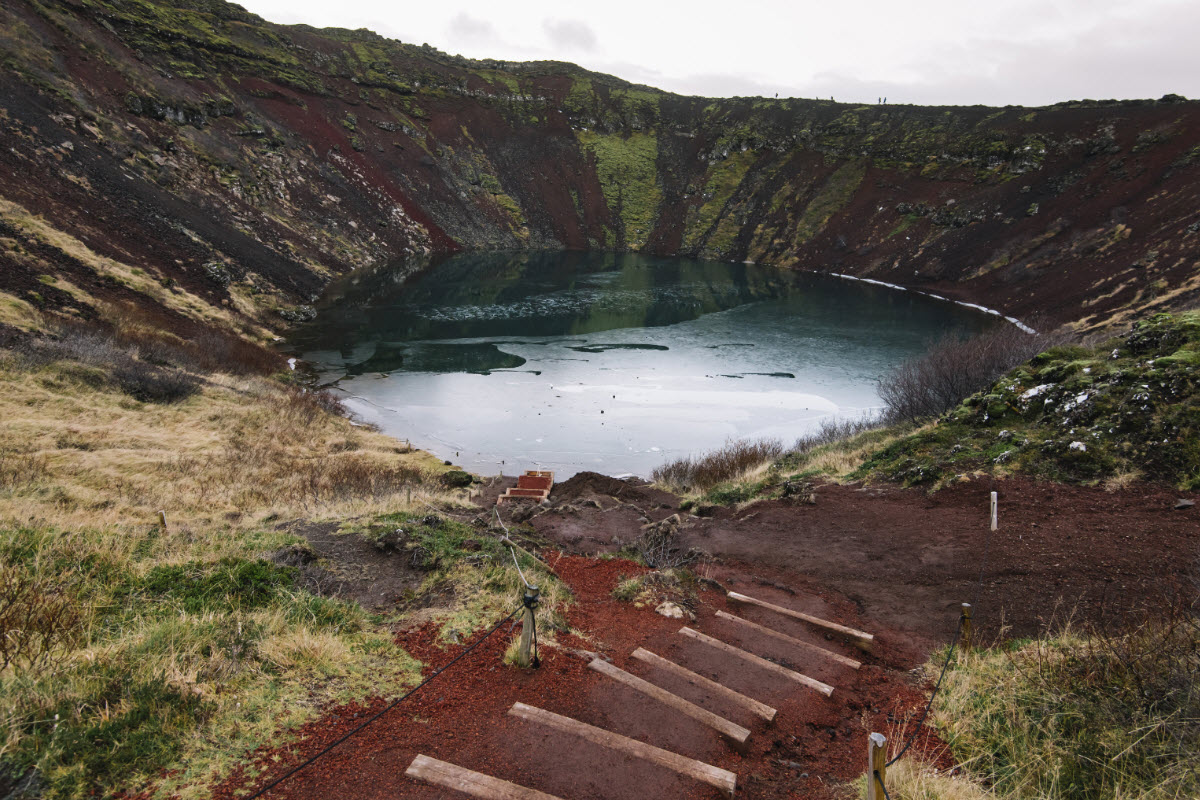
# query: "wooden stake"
(864, 641)
(723, 779)
(995, 511)
(524, 659)
(783, 637)
(876, 762)
(736, 734)
(760, 709)
(466, 781)
(162, 520)
(966, 625)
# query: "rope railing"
(386, 709)
(964, 623)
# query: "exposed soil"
(351, 567)
(890, 561)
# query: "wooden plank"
(760, 709)
(783, 637)
(475, 784)
(735, 733)
(865, 641)
(811, 683)
(723, 779)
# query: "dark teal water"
(614, 363)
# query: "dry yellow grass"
(241, 447)
(84, 470)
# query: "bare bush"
(836, 429)
(953, 369)
(140, 379)
(38, 619)
(734, 459)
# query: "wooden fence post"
(966, 625)
(995, 512)
(531, 602)
(876, 763)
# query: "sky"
(928, 52)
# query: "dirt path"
(889, 561)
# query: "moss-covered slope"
(246, 163)
(1125, 408)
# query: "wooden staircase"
(476, 784)
(534, 485)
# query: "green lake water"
(611, 363)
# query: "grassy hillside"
(128, 648)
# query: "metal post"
(524, 658)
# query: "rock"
(669, 610)
(525, 512)
(1182, 503)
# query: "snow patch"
(1035, 391)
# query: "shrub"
(38, 619)
(734, 459)
(836, 429)
(955, 368)
(151, 384)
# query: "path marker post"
(995, 512)
(876, 766)
(966, 625)
(162, 520)
(531, 603)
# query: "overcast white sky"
(997, 52)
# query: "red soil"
(461, 717)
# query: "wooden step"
(811, 683)
(475, 784)
(736, 734)
(864, 641)
(760, 709)
(723, 779)
(783, 637)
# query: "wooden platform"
(466, 781)
(534, 485)
(723, 779)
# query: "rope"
(389, 707)
(882, 786)
(512, 550)
(929, 705)
(950, 655)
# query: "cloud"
(570, 33)
(465, 28)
